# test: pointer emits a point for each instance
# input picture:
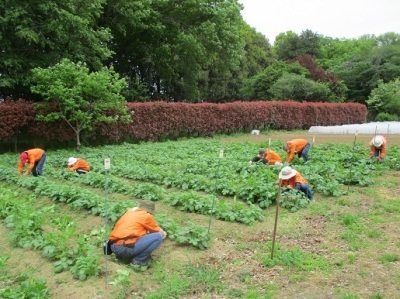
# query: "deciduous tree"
(79, 97)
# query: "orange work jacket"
(295, 146)
(383, 148)
(80, 164)
(298, 178)
(34, 155)
(272, 157)
(132, 225)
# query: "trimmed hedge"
(162, 120)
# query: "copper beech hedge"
(163, 120)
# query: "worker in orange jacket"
(291, 178)
(136, 234)
(297, 146)
(378, 147)
(78, 164)
(267, 156)
(36, 158)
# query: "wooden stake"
(276, 218)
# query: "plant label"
(107, 163)
(221, 153)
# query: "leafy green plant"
(293, 200)
(27, 287)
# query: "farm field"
(219, 213)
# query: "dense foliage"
(161, 120)
(188, 51)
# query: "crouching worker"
(377, 147)
(36, 158)
(136, 235)
(291, 178)
(267, 157)
(78, 164)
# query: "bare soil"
(392, 139)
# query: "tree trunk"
(78, 140)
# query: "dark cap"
(148, 206)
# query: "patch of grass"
(373, 233)
(170, 285)
(370, 192)
(378, 218)
(203, 279)
(244, 275)
(252, 292)
(297, 278)
(377, 296)
(348, 296)
(351, 258)
(322, 208)
(389, 258)
(186, 280)
(392, 206)
(294, 258)
(353, 238)
(344, 202)
(350, 220)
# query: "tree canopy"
(190, 51)
(79, 97)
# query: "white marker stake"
(269, 143)
(107, 166)
(221, 155)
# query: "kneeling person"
(78, 164)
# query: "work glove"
(163, 233)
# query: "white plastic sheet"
(385, 128)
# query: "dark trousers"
(256, 159)
(304, 152)
(303, 188)
(37, 170)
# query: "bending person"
(36, 158)
(378, 147)
(79, 165)
(267, 156)
(297, 146)
(291, 178)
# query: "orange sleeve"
(383, 149)
(291, 151)
(20, 166)
(295, 146)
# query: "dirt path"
(393, 139)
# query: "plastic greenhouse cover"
(388, 127)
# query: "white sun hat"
(72, 161)
(287, 172)
(378, 141)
